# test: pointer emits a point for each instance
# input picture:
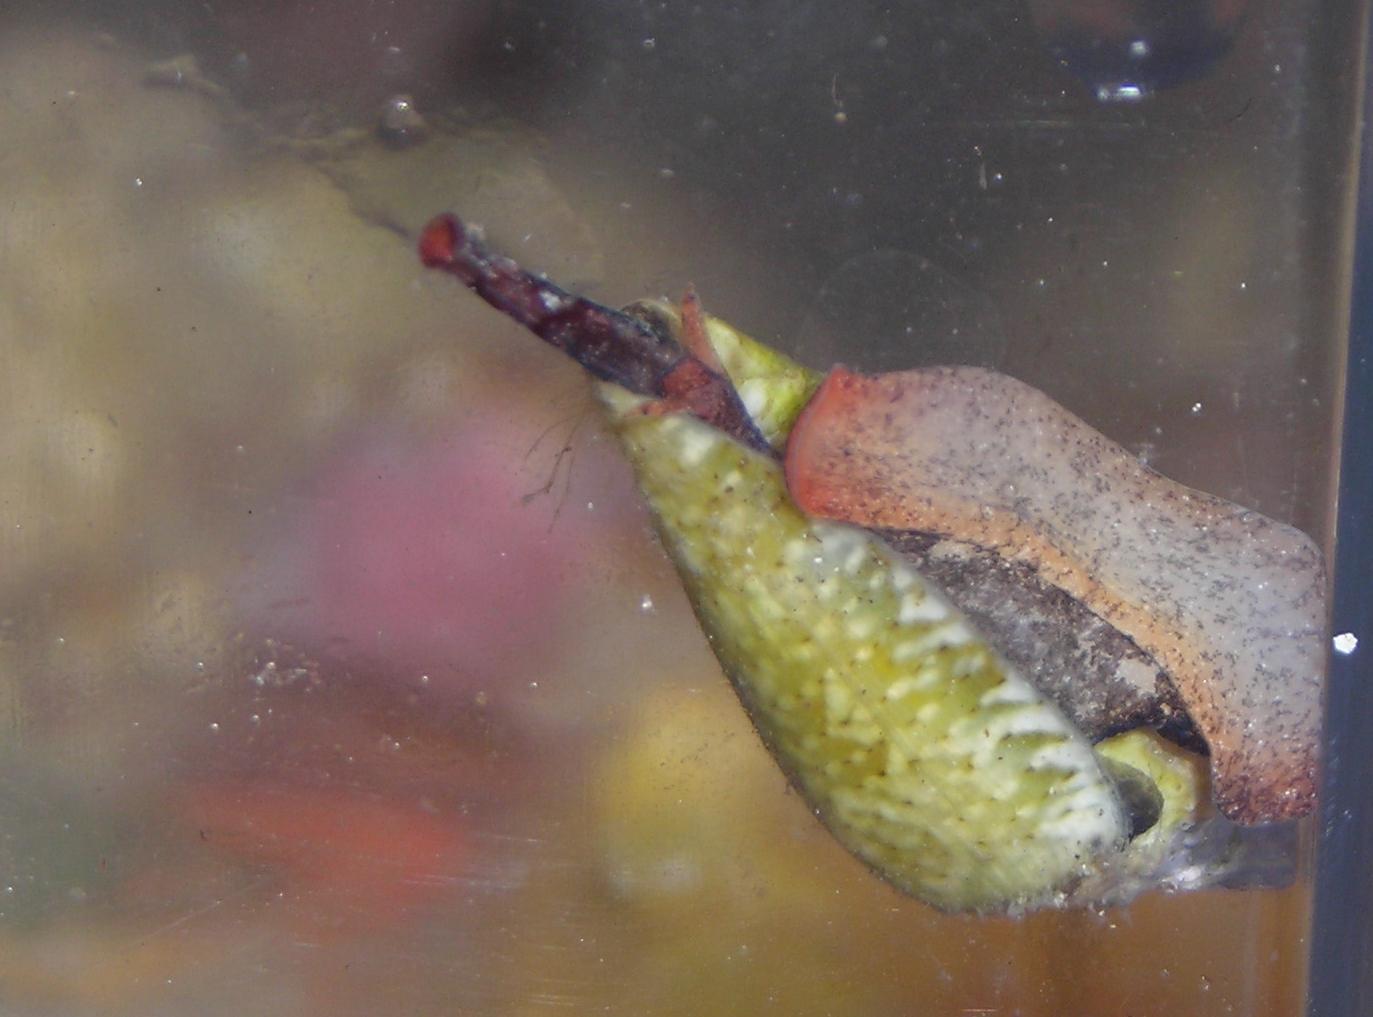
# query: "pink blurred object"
(444, 556)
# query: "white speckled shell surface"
(930, 759)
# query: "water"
(339, 670)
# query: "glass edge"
(1341, 951)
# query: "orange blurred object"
(357, 856)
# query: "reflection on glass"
(1127, 49)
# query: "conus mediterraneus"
(1007, 664)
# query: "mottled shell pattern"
(917, 744)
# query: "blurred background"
(340, 672)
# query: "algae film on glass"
(1008, 665)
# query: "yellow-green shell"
(917, 745)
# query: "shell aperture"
(1229, 602)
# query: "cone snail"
(1008, 665)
